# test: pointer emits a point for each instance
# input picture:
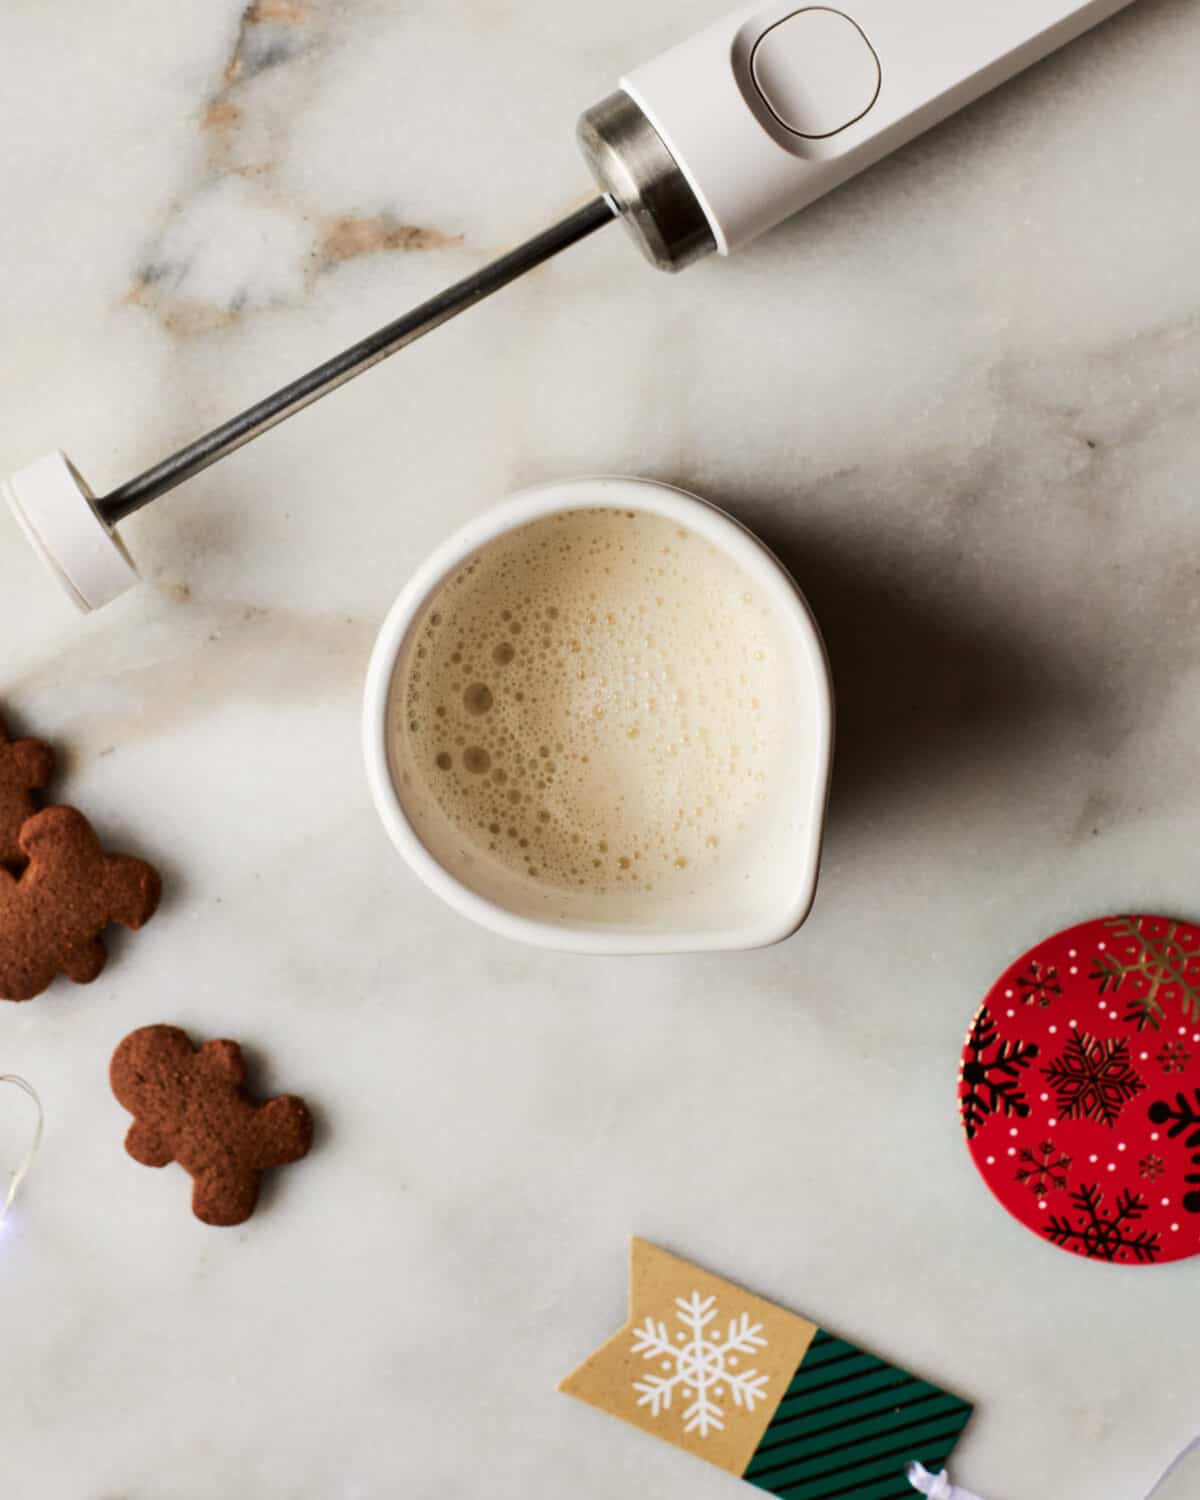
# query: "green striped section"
(849, 1424)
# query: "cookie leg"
(83, 964)
(23, 973)
(133, 890)
(284, 1131)
(147, 1146)
(20, 980)
(225, 1197)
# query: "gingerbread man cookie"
(52, 914)
(26, 767)
(190, 1105)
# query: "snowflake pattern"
(1044, 1170)
(1093, 1079)
(1173, 1057)
(700, 1363)
(1103, 1234)
(1166, 967)
(1039, 984)
(992, 1084)
(1152, 1167)
(1184, 1116)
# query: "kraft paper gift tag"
(761, 1392)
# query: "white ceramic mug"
(783, 888)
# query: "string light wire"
(21, 1171)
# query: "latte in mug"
(592, 721)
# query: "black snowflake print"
(1039, 984)
(993, 1082)
(1169, 970)
(1093, 1079)
(1101, 1234)
(1183, 1116)
(1173, 1057)
(1044, 1170)
(1152, 1167)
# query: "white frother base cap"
(53, 506)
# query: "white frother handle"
(777, 104)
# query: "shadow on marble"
(930, 684)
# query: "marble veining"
(236, 240)
(960, 397)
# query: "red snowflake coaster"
(1080, 1090)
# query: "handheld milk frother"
(702, 149)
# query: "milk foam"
(598, 703)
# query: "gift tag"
(1079, 1090)
(761, 1392)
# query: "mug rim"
(519, 509)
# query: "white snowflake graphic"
(700, 1363)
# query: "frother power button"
(815, 71)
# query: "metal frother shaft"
(310, 387)
(74, 532)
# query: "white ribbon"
(22, 1168)
(938, 1486)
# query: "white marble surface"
(961, 396)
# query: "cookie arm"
(36, 760)
(224, 1060)
(63, 831)
(144, 1144)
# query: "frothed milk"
(592, 717)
